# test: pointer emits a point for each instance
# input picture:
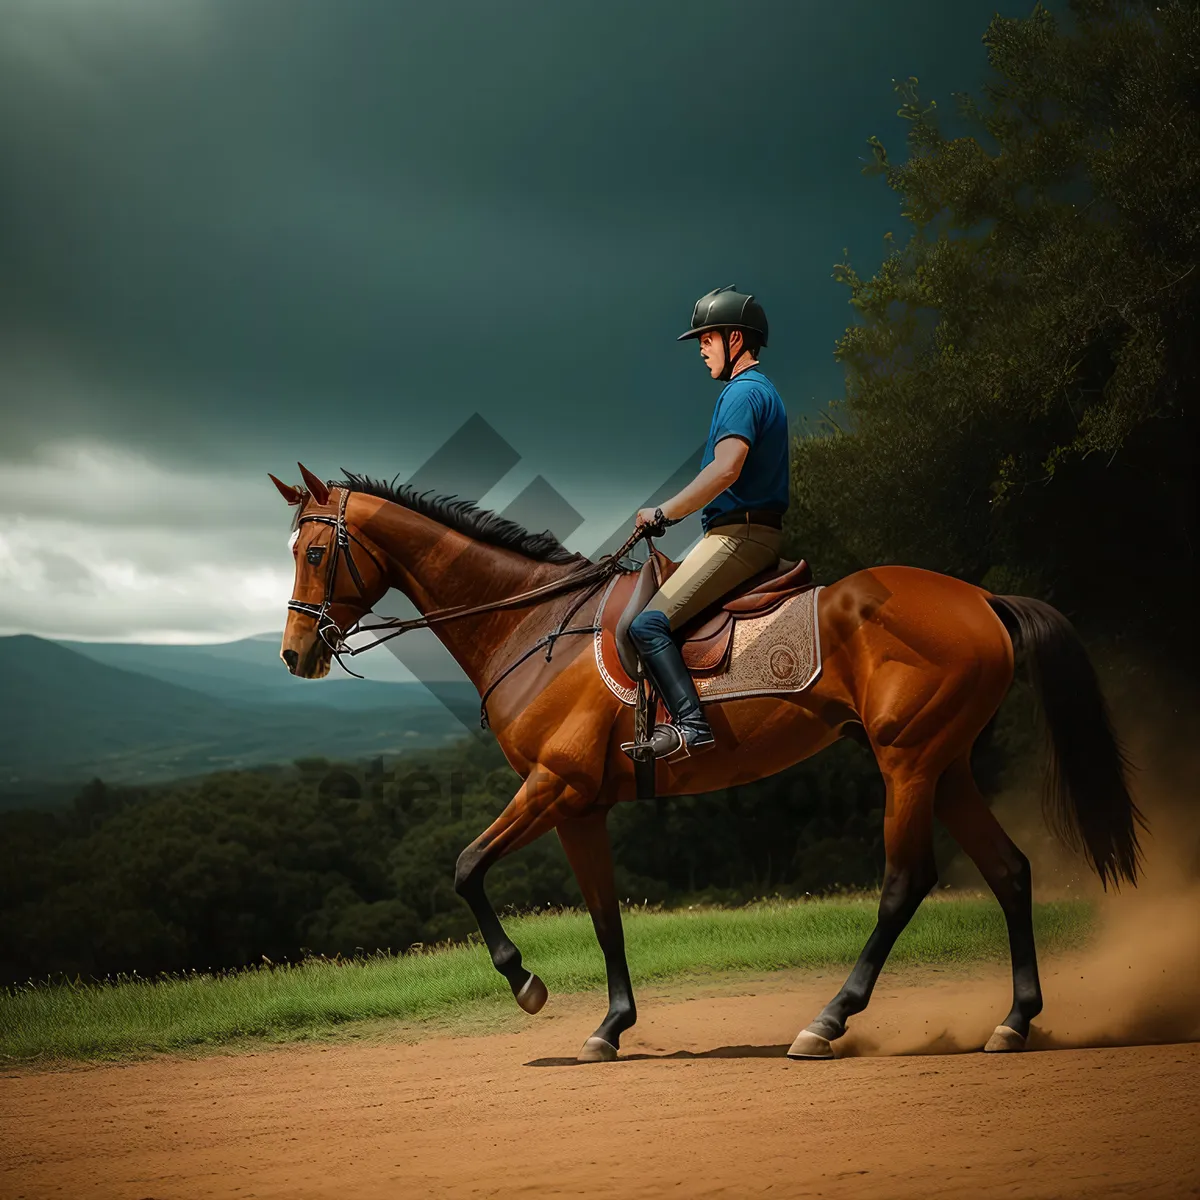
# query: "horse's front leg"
(589, 851)
(542, 801)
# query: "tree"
(1019, 407)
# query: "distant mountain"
(249, 671)
(64, 716)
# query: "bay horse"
(914, 663)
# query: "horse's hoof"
(596, 1049)
(811, 1045)
(1004, 1040)
(532, 995)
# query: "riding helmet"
(727, 308)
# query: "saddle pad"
(775, 653)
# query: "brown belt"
(753, 516)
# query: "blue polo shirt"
(749, 407)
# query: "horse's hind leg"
(908, 877)
(963, 810)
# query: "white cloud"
(100, 543)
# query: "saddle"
(707, 638)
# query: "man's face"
(712, 350)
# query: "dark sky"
(234, 235)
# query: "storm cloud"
(238, 235)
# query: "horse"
(914, 664)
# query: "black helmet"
(725, 308)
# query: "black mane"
(465, 516)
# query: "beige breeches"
(724, 557)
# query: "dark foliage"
(1020, 386)
(334, 858)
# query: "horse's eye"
(315, 554)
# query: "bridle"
(592, 577)
(341, 546)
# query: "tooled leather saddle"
(706, 640)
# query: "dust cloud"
(1138, 980)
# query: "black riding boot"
(673, 682)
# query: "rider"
(743, 490)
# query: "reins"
(591, 577)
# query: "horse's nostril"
(291, 658)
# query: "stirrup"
(669, 743)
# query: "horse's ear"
(320, 493)
(290, 494)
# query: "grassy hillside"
(290, 1002)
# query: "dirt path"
(702, 1104)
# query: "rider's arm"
(728, 456)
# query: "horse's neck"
(439, 568)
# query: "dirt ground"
(702, 1103)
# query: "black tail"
(1086, 798)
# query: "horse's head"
(338, 577)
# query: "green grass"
(134, 1017)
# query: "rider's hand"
(645, 516)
